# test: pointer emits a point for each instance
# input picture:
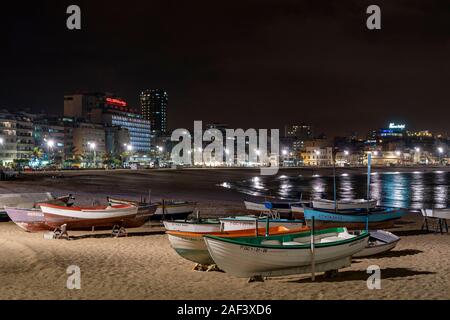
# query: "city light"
(441, 150)
(50, 143)
(317, 152)
(92, 145)
(160, 149)
(2, 141)
(129, 147)
(398, 153)
(417, 149)
(284, 152)
(346, 152)
(375, 153)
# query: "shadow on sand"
(352, 275)
(109, 235)
(394, 254)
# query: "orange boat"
(191, 246)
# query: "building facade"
(110, 110)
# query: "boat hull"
(187, 226)
(232, 224)
(343, 205)
(381, 220)
(285, 210)
(30, 220)
(244, 260)
(173, 211)
(192, 246)
(380, 241)
(56, 216)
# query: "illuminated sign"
(116, 102)
(392, 125)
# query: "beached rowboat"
(284, 209)
(380, 217)
(144, 212)
(282, 254)
(81, 217)
(191, 246)
(249, 222)
(325, 204)
(380, 241)
(202, 225)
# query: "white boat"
(283, 254)
(380, 241)
(81, 217)
(203, 225)
(191, 246)
(22, 200)
(326, 204)
(249, 222)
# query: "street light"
(417, 149)
(440, 150)
(2, 141)
(346, 152)
(92, 146)
(397, 153)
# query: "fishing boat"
(344, 204)
(284, 254)
(378, 218)
(144, 212)
(166, 209)
(380, 241)
(249, 222)
(284, 209)
(76, 217)
(32, 219)
(192, 247)
(173, 209)
(23, 200)
(194, 225)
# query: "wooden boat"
(32, 219)
(380, 217)
(249, 222)
(173, 210)
(84, 217)
(24, 200)
(144, 212)
(195, 225)
(192, 247)
(326, 204)
(380, 241)
(284, 209)
(283, 254)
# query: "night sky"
(254, 63)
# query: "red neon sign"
(116, 102)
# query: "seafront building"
(111, 111)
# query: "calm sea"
(398, 189)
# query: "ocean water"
(413, 190)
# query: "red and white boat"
(83, 217)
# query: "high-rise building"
(154, 108)
(299, 131)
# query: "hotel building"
(154, 108)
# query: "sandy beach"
(143, 266)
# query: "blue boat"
(379, 217)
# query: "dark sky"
(246, 63)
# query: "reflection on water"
(398, 189)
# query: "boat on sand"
(191, 246)
(76, 217)
(285, 254)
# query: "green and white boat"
(294, 253)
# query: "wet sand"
(143, 266)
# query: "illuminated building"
(154, 108)
(110, 110)
(299, 131)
